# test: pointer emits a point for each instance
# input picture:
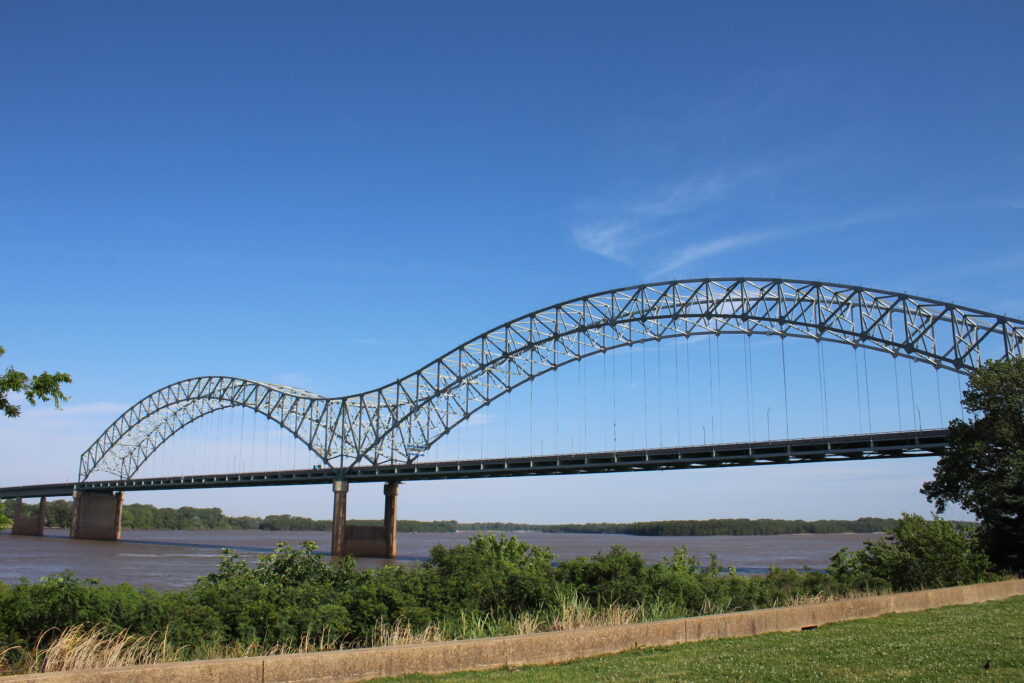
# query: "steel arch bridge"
(398, 422)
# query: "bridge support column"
(28, 526)
(365, 541)
(339, 524)
(391, 519)
(96, 515)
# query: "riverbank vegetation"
(293, 600)
(983, 470)
(140, 516)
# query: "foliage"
(917, 554)
(491, 574)
(6, 510)
(42, 387)
(698, 527)
(291, 599)
(983, 471)
(485, 587)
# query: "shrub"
(293, 600)
(917, 554)
(491, 574)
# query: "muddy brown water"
(174, 559)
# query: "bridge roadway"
(828, 449)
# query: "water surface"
(174, 559)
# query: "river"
(174, 559)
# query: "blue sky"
(330, 194)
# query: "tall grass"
(90, 647)
(82, 647)
(93, 647)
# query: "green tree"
(42, 387)
(5, 521)
(983, 470)
(918, 554)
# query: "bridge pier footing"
(365, 541)
(28, 526)
(96, 515)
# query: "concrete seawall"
(540, 648)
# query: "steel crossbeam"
(398, 422)
(832, 449)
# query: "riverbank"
(961, 643)
(149, 517)
(294, 601)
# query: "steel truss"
(398, 422)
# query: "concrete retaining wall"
(541, 648)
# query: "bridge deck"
(830, 449)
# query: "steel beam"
(398, 422)
(832, 449)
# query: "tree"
(42, 387)
(5, 521)
(917, 554)
(983, 470)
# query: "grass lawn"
(946, 644)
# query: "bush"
(917, 554)
(292, 599)
(490, 574)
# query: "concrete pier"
(28, 526)
(391, 519)
(365, 541)
(96, 515)
(340, 521)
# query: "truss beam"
(398, 422)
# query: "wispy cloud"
(367, 341)
(679, 258)
(691, 194)
(1005, 202)
(708, 215)
(1009, 261)
(611, 240)
(695, 252)
(631, 225)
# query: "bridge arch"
(400, 420)
(139, 431)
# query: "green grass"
(947, 644)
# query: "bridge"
(385, 434)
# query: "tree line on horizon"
(143, 516)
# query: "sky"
(329, 195)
